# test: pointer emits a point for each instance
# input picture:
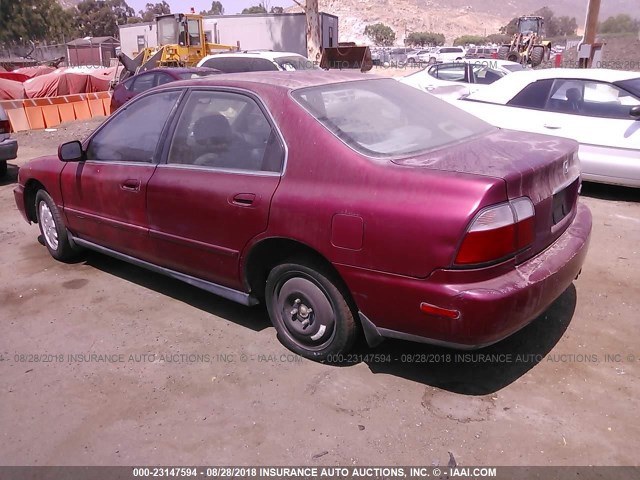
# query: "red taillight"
(498, 232)
(5, 127)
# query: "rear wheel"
(310, 310)
(54, 232)
(3, 169)
(503, 52)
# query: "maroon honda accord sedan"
(348, 204)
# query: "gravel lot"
(550, 398)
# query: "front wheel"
(52, 228)
(309, 310)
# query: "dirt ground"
(103, 363)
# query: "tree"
(567, 26)
(255, 9)
(498, 38)
(312, 18)
(276, 10)
(34, 21)
(380, 34)
(216, 9)
(101, 18)
(422, 39)
(470, 39)
(510, 28)
(622, 23)
(152, 9)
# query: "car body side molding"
(220, 290)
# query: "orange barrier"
(38, 113)
(34, 114)
(96, 107)
(17, 116)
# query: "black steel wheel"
(310, 310)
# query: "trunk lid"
(541, 167)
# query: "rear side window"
(143, 82)
(533, 95)
(384, 118)
(224, 130)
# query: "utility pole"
(591, 22)
(590, 28)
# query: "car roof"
(504, 89)
(280, 79)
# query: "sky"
(230, 6)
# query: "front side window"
(590, 98)
(384, 118)
(225, 131)
(132, 135)
(194, 33)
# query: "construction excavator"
(181, 43)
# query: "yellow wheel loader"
(181, 43)
(527, 45)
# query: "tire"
(3, 168)
(432, 60)
(52, 228)
(537, 55)
(503, 52)
(513, 56)
(309, 310)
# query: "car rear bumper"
(488, 310)
(8, 149)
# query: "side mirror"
(71, 152)
(635, 112)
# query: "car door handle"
(552, 127)
(243, 199)
(131, 185)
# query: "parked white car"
(256, 61)
(469, 75)
(597, 107)
(420, 55)
(446, 54)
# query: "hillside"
(451, 17)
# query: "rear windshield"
(296, 62)
(632, 85)
(385, 118)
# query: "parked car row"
(395, 214)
